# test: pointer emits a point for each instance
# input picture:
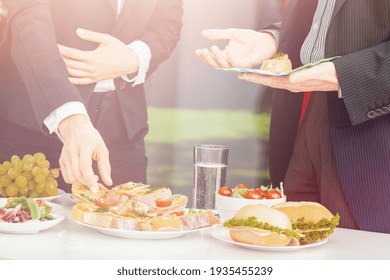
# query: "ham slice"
(199, 220)
(14, 215)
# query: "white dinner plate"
(134, 234)
(48, 198)
(262, 72)
(223, 235)
(30, 226)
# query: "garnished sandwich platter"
(224, 236)
(135, 210)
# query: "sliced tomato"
(180, 213)
(274, 194)
(225, 191)
(163, 202)
(101, 202)
(261, 192)
(242, 186)
(253, 195)
(40, 202)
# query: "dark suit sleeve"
(163, 31)
(34, 52)
(364, 82)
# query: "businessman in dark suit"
(337, 151)
(101, 116)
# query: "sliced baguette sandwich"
(137, 207)
(105, 217)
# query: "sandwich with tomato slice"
(137, 207)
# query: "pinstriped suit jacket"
(360, 122)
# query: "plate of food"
(280, 65)
(137, 211)
(27, 216)
(287, 226)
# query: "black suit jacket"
(360, 122)
(33, 77)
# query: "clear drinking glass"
(210, 164)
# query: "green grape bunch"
(29, 176)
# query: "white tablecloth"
(69, 240)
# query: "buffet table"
(71, 241)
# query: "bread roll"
(258, 237)
(261, 236)
(310, 211)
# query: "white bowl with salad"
(229, 200)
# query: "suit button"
(378, 112)
(385, 110)
(122, 85)
(371, 115)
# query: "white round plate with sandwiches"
(223, 235)
(135, 210)
(48, 198)
(30, 226)
(134, 234)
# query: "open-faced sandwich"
(135, 206)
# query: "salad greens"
(37, 209)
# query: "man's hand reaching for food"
(82, 145)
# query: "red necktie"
(305, 102)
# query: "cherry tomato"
(261, 192)
(101, 202)
(253, 194)
(163, 202)
(225, 191)
(242, 186)
(274, 194)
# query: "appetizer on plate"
(280, 63)
(284, 224)
(21, 209)
(137, 207)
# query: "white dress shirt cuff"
(68, 109)
(144, 55)
(340, 94)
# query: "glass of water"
(210, 164)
